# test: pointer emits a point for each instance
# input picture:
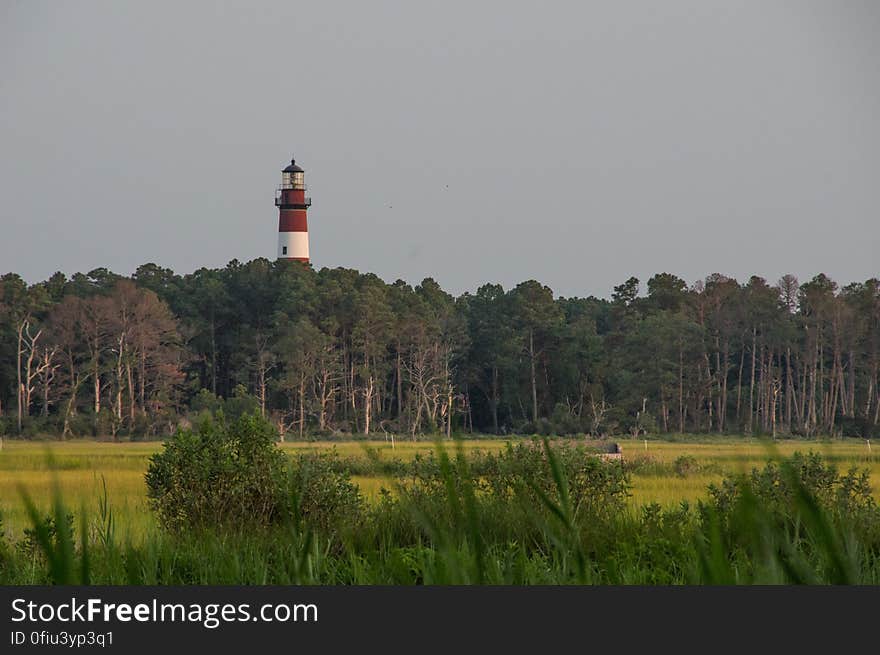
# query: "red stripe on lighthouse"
(293, 196)
(293, 221)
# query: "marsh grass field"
(81, 469)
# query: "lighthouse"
(292, 203)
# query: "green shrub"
(776, 486)
(523, 471)
(205, 401)
(81, 424)
(452, 523)
(239, 404)
(325, 497)
(594, 486)
(794, 521)
(685, 465)
(30, 544)
(562, 421)
(222, 474)
(858, 426)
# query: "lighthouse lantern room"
(292, 203)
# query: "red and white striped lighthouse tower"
(292, 203)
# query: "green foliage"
(240, 403)
(859, 426)
(529, 515)
(205, 404)
(48, 529)
(794, 521)
(685, 465)
(777, 486)
(536, 495)
(225, 473)
(205, 401)
(324, 497)
(308, 347)
(593, 486)
(48, 546)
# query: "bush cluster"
(323, 496)
(229, 473)
(779, 485)
(532, 514)
(222, 473)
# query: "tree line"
(339, 351)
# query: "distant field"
(80, 468)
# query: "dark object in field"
(612, 452)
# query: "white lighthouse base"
(293, 245)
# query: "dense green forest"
(339, 351)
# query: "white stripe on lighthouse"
(297, 244)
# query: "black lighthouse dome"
(293, 168)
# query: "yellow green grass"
(80, 468)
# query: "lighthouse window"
(283, 250)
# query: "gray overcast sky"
(576, 143)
